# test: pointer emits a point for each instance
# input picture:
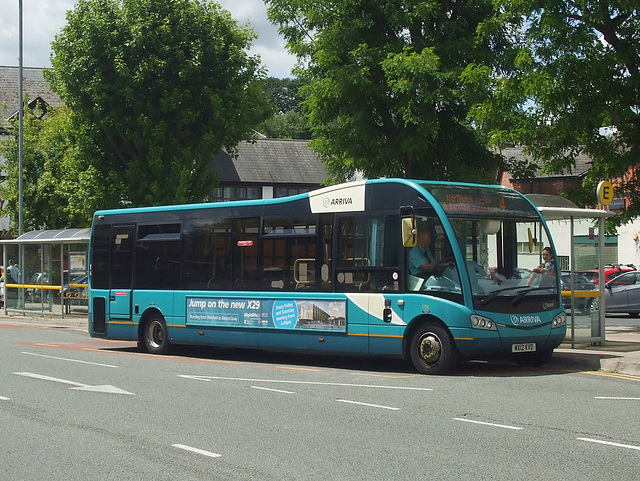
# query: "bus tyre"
(432, 350)
(156, 339)
(533, 359)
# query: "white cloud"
(43, 19)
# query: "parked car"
(581, 283)
(610, 272)
(622, 294)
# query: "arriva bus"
(431, 271)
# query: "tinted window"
(158, 257)
(100, 256)
(207, 255)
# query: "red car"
(610, 272)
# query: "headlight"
(480, 322)
(559, 321)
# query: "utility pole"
(20, 121)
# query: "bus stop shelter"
(50, 272)
(590, 326)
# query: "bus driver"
(421, 260)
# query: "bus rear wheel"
(432, 350)
(156, 338)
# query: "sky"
(43, 19)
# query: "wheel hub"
(430, 348)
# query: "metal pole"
(21, 296)
(601, 265)
(573, 256)
(62, 296)
(20, 122)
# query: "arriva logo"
(521, 320)
(337, 201)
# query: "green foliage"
(289, 125)
(160, 86)
(572, 68)
(382, 83)
(287, 122)
(60, 187)
(284, 92)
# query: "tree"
(287, 121)
(284, 92)
(160, 87)
(60, 188)
(382, 84)
(569, 82)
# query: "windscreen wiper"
(494, 294)
(516, 300)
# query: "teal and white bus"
(335, 270)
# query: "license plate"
(526, 347)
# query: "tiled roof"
(33, 85)
(583, 163)
(272, 161)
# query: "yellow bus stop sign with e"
(605, 192)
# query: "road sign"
(605, 192)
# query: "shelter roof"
(554, 207)
(55, 236)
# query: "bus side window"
(367, 257)
(157, 263)
(245, 258)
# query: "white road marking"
(272, 390)
(107, 388)
(369, 405)
(67, 359)
(619, 398)
(2, 398)
(196, 450)
(505, 426)
(311, 383)
(618, 445)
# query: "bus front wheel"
(432, 350)
(156, 338)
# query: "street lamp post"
(20, 122)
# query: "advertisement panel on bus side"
(267, 313)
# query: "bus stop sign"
(605, 192)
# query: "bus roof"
(350, 196)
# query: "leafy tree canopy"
(60, 187)
(382, 84)
(568, 82)
(160, 86)
(287, 121)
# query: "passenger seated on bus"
(545, 273)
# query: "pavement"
(620, 352)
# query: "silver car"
(622, 294)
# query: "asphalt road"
(77, 408)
